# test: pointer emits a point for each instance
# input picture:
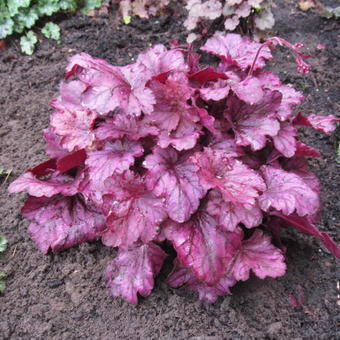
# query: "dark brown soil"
(62, 296)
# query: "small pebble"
(55, 283)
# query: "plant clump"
(20, 16)
(167, 151)
(3, 246)
(256, 13)
(140, 8)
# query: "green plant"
(325, 11)
(4, 174)
(3, 246)
(27, 42)
(18, 16)
(256, 15)
(51, 31)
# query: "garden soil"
(62, 295)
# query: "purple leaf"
(133, 271)
(259, 255)
(305, 225)
(252, 123)
(183, 276)
(132, 213)
(228, 146)
(61, 222)
(176, 180)
(236, 182)
(208, 122)
(201, 246)
(158, 59)
(53, 148)
(236, 50)
(306, 150)
(83, 61)
(71, 93)
(75, 126)
(287, 192)
(124, 125)
(183, 138)
(325, 124)
(249, 90)
(57, 184)
(290, 97)
(109, 87)
(113, 158)
(171, 101)
(71, 161)
(299, 166)
(44, 168)
(229, 215)
(285, 141)
(207, 74)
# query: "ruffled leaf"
(235, 181)
(257, 254)
(290, 97)
(61, 184)
(132, 213)
(201, 246)
(109, 87)
(183, 276)
(287, 192)
(158, 60)
(229, 215)
(132, 272)
(122, 125)
(285, 141)
(74, 126)
(61, 222)
(253, 123)
(306, 150)
(236, 50)
(113, 158)
(176, 180)
(325, 124)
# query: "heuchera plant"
(163, 150)
(257, 12)
(141, 8)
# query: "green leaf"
(2, 282)
(127, 19)
(68, 5)
(4, 14)
(264, 20)
(26, 18)
(14, 5)
(4, 172)
(28, 42)
(89, 5)
(51, 31)
(6, 28)
(48, 7)
(329, 12)
(3, 243)
(336, 12)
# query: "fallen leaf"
(2, 45)
(320, 47)
(305, 5)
